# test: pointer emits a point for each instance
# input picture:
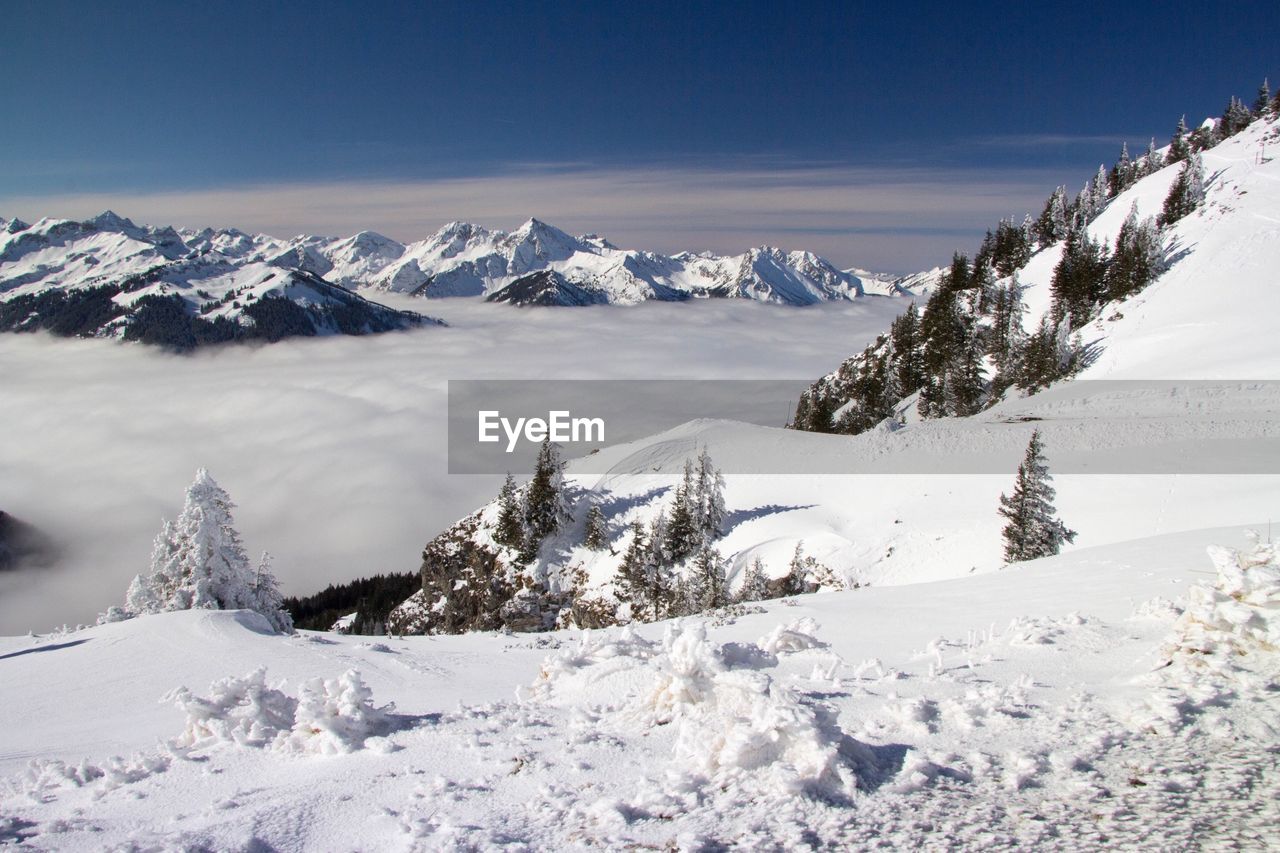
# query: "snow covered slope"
(1056, 704)
(1208, 315)
(107, 277)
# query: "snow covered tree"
(965, 382)
(1186, 194)
(1052, 224)
(1122, 174)
(544, 505)
(707, 581)
(1078, 282)
(1049, 355)
(1138, 257)
(267, 598)
(1153, 160)
(1005, 337)
(683, 534)
(1262, 104)
(708, 498)
(595, 535)
(198, 561)
(1033, 529)
(1179, 146)
(510, 529)
(1235, 118)
(637, 576)
(755, 583)
(797, 580)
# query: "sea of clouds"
(334, 449)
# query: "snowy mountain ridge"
(461, 259)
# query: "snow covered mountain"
(1202, 314)
(1169, 330)
(465, 259)
(537, 264)
(108, 277)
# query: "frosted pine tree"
(1153, 160)
(1186, 193)
(754, 583)
(1033, 529)
(1179, 147)
(709, 498)
(595, 537)
(198, 561)
(510, 530)
(683, 532)
(267, 598)
(708, 581)
(544, 507)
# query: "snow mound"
(330, 716)
(793, 637)
(42, 776)
(1222, 649)
(1238, 615)
(737, 728)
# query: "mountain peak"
(109, 220)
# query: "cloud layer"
(334, 449)
(896, 219)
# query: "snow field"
(1003, 710)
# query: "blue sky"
(662, 125)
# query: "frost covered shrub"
(333, 716)
(244, 711)
(1236, 615)
(735, 725)
(329, 717)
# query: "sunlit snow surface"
(1035, 707)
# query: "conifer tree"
(965, 380)
(1186, 193)
(755, 583)
(267, 598)
(1153, 160)
(1033, 529)
(1235, 118)
(797, 580)
(199, 561)
(595, 536)
(1138, 257)
(683, 534)
(1262, 104)
(635, 575)
(1079, 279)
(906, 340)
(1052, 224)
(1122, 173)
(708, 496)
(1179, 146)
(510, 529)
(707, 583)
(544, 508)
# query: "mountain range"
(108, 276)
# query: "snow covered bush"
(1239, 614)
(333, 716)
(198, 561)
(330, 716)
(736, 727)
